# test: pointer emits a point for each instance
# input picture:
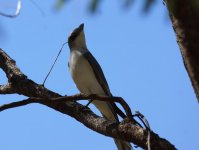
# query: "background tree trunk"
(184, 15)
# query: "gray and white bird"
(89, 77)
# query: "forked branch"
(126, 130)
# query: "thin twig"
(17, 104)
(38, 7)
(54, 63)
(81, 96)
(147, 126)
(18, 9)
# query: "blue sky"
(138, 54)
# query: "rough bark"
(184, 15)
(126, 130)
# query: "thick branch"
(126, 130)
(6, 89)
(184, 15)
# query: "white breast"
(86, 82)
(83, 74)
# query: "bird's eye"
(74, 34)
(72, 37)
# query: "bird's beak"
(81, 27)
(76, 31)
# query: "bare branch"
(9, 67)
(81, 96)
(126, 130)
(6, 89)
(17, 104)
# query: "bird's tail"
(108, 112)
(123, 145)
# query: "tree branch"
(17, 104)
(6, 89)
(125, 130)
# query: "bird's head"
(77, 38)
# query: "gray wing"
(102, 80)
(98, 72)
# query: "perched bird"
(89, 77)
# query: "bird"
(89, 77)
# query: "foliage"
(95, 4)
